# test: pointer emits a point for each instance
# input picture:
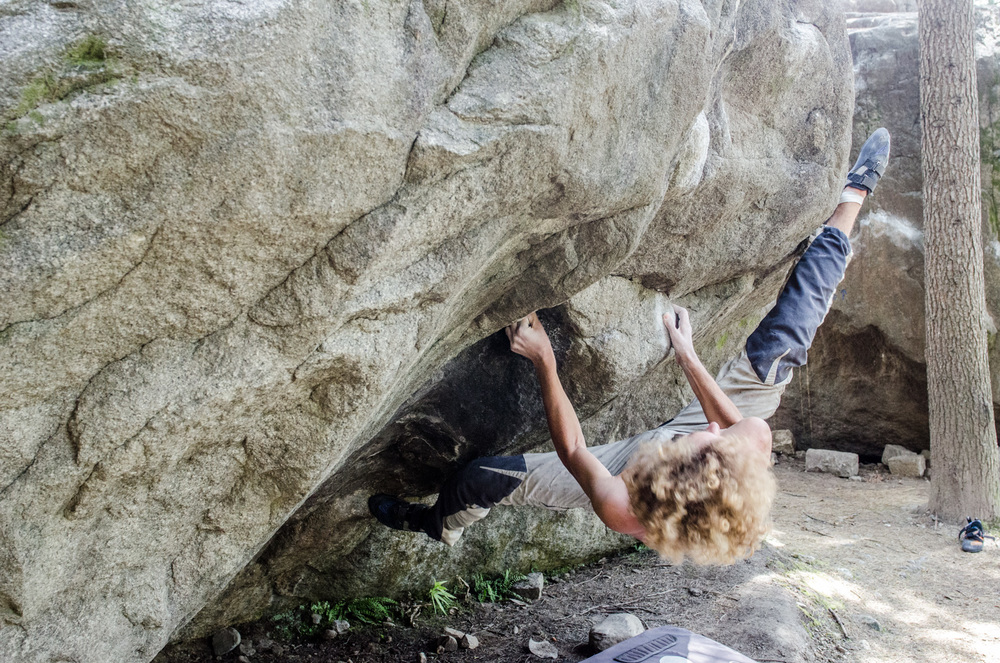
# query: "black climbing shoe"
(972, 535)
(396, 513)
(871, 163)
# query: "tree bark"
(965, 465)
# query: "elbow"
(569, 447)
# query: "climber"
(697, 487)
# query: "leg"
(469, 495)
(465, 498)
(781, 341)
(846, 213)
(535, 479)
(756, 379)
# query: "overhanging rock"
(244, 247)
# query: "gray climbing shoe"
(871, 163)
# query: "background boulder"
(866, 385)
(255, 259)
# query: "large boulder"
(865, 385)
(255, 258)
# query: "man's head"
(705, 496)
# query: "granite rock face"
(255, 258)
(865, 385)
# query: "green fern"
(491, 591)
(441, 599)
(369, 610)
(298, 622)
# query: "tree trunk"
(965, 465)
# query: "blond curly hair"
(708, 503)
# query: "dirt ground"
(853, 571)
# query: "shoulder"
(755, 431)
(611, 504)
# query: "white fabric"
(850, 195)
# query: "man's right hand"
(679, 329)
(528, 339)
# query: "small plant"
(491, 591)
(441, 599)
(93, 68)
(39, 91)
(287, 625)
(369, 610)
(300, 623)
(90, 52)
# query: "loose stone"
(841, 463)
(448, 643)
(543, 648)
(783, 442)
(618, 628)
(893, 450)
(225, 641)
(529, 589)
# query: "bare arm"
(607, 493)
(714, 402)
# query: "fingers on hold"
(509, 331)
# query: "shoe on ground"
(972, 536)
(871, 163)
(396, 513)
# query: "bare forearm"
(714, 402)
(564, 426)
